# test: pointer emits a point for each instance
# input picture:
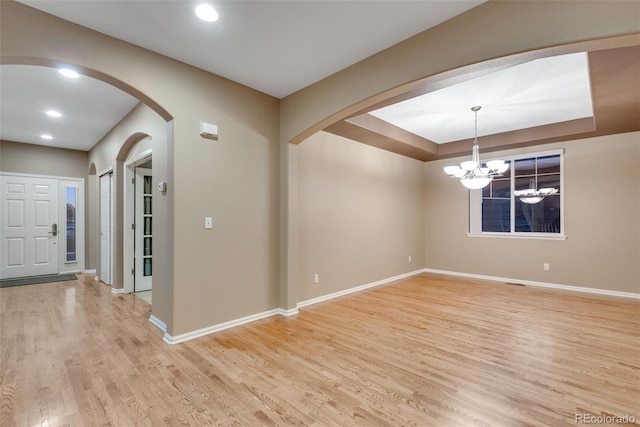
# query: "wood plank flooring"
(425, 351)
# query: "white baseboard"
(158, 323)
(356, 289)
(287, 313)
(93, 271)
(538, 284)
(291, 312)
(219, 327)
(117, 290)
(277, 311)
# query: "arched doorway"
(138, 211)
(104, 164)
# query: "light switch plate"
(208, 223)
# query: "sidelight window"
(71, 216)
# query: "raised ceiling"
(540, 92)
(542, 101)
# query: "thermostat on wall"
(209, 131)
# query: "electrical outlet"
(316, 278)
(409, 258)
(546, 266)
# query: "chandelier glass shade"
(531, 196)
(472, 174)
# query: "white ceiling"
(535, 93)
(90, 108)
(276, 47)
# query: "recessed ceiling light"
(53, 113)
(207, 13)
(45, 136)
(68, 72)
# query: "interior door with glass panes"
(143, 230)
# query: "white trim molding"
(219, 327)
(289, 312)
(169, 339)
(128, 214)
(533, 236)
(31, 175)
(117, 290)
(92, 271)
(538, 284)
(158, 323)
(357, 289)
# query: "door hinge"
(133, 226)
(133, 271)
(133, 180)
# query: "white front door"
(105, 228)
(143, 230)
(28, 226)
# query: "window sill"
(529, 236)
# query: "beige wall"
(40, 160)
(494, 34)
(217, 275)
(140, 122)
(139, 130)
(247, 181)
(602, 201)
(361, 215)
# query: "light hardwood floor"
(426, 351)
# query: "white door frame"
(78, 265)
(128, 217)
(106, 271)
(141, 281)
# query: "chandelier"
(471, 173)
(531, 196)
